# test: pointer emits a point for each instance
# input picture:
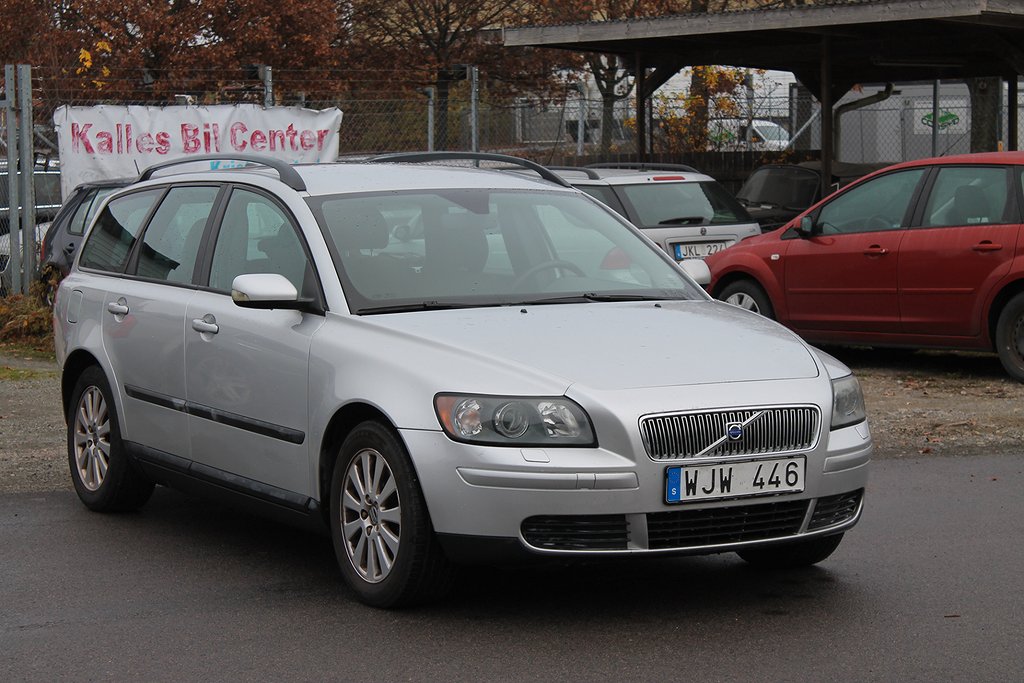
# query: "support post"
(13, 274)
(641, 110)
(27, 148)
(1013, 118)
(826, 115)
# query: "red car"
(927, 253)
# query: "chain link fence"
(392, 112)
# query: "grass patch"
(9, 374)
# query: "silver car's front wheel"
(92, 438)
(371, 516)
(383, 538)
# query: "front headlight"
(847, 402)
(514, 421)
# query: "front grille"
(833, 510)
(716, 526)
(763, 430)
(580, 532)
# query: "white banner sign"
(104, 142)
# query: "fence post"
(27, 176)
(267, 75)
(13, 271)
(474, 108)
(581, 126)
(429, 92)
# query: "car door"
(247, 371)
(964, 243)
(144, 312)
(844, 276)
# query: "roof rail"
(420, 157)
(285, 171)
(589, 172)
(641, 166)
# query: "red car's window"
(877, 204)
(967, 195)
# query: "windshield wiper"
(418, 306)
(586, 297)
(682, 220)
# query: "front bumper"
(593, 501)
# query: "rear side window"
(698, 203)
(604, 194)
(87, 209)
(116, 231)
(172, 240)
(967, 195)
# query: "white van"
(731, 135)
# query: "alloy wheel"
(743, 300)
(92, 438)
(371, 515)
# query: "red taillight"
(668, 177)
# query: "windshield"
(771, 131)
(461, 248)
(782, 186)
(674, 203)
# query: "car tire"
(1010, 337)
(105, 477)
(383, 538)
(791, 555)
(748, 295)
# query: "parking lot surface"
(926, 588)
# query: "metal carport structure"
(829, 46)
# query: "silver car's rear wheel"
(92, 438)
(104, 476)
(383, 538)
(371, 516)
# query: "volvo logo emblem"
(734, 430)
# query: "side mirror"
(806, 226)
(698, 270)
(264, 290)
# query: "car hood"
(610, 346)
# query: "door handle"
(986, 246)
(876, 250)
(207, 324)
(119, 307)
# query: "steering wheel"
(547, 265)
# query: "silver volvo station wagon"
(442, 365)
